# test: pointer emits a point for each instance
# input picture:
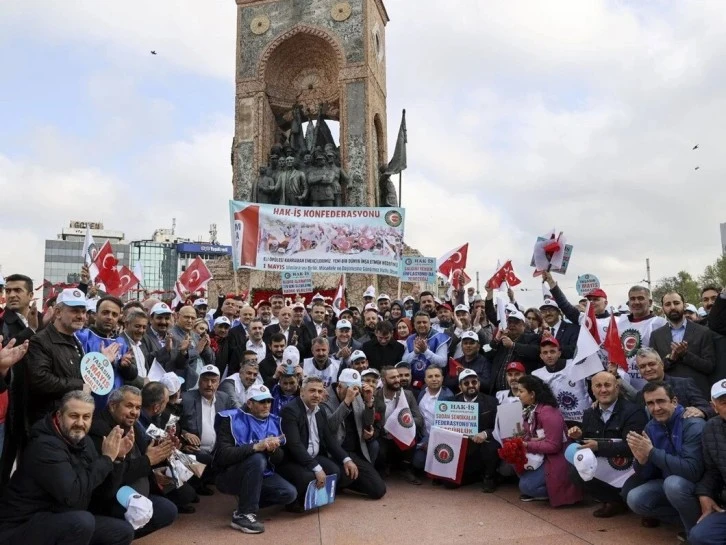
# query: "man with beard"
(713, 302)
(425, 347)
(427, 304)
(264, 312)
(157, 343)
(191, 351)
(134, 467)
(515, 371)
(136, 322)
(445, 318)
(237, 386)
(383, 349)
(686, 348)
(512, 344)
(320, 365)
(273, 360)
(102, 335)
(221, 346)
(404, 377)
(370, 321)
(48, 497)
(481, 456)
(384, 304)
(471, 358)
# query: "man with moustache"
(512, 344)
(191, 351)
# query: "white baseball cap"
(357, 355)
(718, 389)
(549, 303)
(200, 302)
(517, 315)
(318, 296)
(139, 509)
(343, 324)
(702, 312)
(72, 297)
(209, 370)
(259, 392)
(223, 320)
(466, 373)
(470, 335)
(91, 304)
(172, 381)
(407, 299)
(383, 297)
(298, 305)
(461, 308)
(291, 355)
(586, 463)
(691, 308)
(370, 306)
(370, 371)
(370, 292)
(349, 377)
(160, 308)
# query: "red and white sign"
(446, 454)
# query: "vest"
(247, 429)
(634, 336)
(419, 363)
(572, 396)
(329, 375)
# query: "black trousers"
(391, 455)
(69, 528)
(369, 481)
(595, 488)
(481, 459)
(300, 476)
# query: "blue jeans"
(254, 490)
(69, 528)
(710, 531)
(532, 483)
(671, 500)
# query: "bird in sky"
(695, 147)
(696, 168)
(154, 53)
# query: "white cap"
(691, 308)
(702, 312)
(370, 292)
(516, 315)
(209, 370)
(461, 308)
(466, 373)
(91, 304)
(437, 300)
(223, 320)
(139, 509)
(623, 309)
(160, 308)
(383, 297)
(549, 303)
(71, 297)
(370, 306)
(470, 335)
(358, 355)
(291, 355)
(259, 392)
(585, 463)
(349, 377)
(718, 389)
(370, 371)
(510, 307)
(318, 296)
(298, 305)
(200, 302)
(407, 299)
(172, 381)
(343, 324)
(533, 461)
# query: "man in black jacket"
(135, 468)
(603, 430)
(48, 497)
(383, 349)
(246, 453)
(512, 344)
(565, 333)
(311, 451)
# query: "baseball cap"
(222, 320)
(461, 308)
(691, 308)
(172, 381)
(623, 309)
(510, 307)
(160, 308)
(702, 312)
(383, 297)
(291, 355)
(403, 364)
(91, 305)
(470, 335)
(515, 366)
(597, 293)
(357, 355)
(71, 297)
(259, 392)
(349, 377)
(318, 296)
(466, 373)
(445, 305)
(298, 305)
(550, 340)
(209, 370)
(351, 308)
(516, 315)
(263, 303)
(201, 302)
(139, 509)
(370, 371)
(407, 299)
(370, 306)
(583, 459)
(343, 324)
(370, 292)
(549, 303)
(718, 389)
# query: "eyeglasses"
(472, 382)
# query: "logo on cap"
(443, 453)
(580, 457)
(77, 293)
(354, 375)
(723, 384)
(405, 418)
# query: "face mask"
(409, 313)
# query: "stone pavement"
(417, 515)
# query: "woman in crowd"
(200, 326)
(545, 434)
(396, 312)
(534, 320)
(404, 328)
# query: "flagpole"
(236, 283)
(400, 190)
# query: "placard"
(418, 269)
(508, 422)
(294, 282)
(317, 497)
(97, 372)
(586, 283)
(458, 416)
(565, 258)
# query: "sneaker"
(525, 497)
(247, 523)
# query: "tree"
(714, 275)
(683, 283)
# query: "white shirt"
(138, 355)
(427, 407)
(555, 328)
(313, 435)
(209, 436)
(390, 405)
(259, 349)
(605, 414)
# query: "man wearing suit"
(566, 334)
(316, 327)
(284, 326)
(154, 343)
(190, 351)
(686, 348)
(342, 345)
(349, 408)
(311, 450)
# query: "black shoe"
(186, 509)
(295, 508)
(488, 485)
(410, 477)
(525, 497)
(247, 523)
(205, 491)
(682, 537)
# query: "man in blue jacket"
(668, 461)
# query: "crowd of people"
(259, 399)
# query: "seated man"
(237, 385)
(471, 358)
(711, 527)
(604, 430)
(433, 392)
(481, 455)
(311, 451)
(287, 389)
(154, 399)
(321, 365)
(248, 448)
(349, 408)
(123, 409)
(48, 497)
(668, 461)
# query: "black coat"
(524, 350)
(236, 346)
(714, 459)
(626, 417)
(297, 434)
(378, 355)
(297, 337)
(567, 334)
(487, 411)
(687, 393)
(55, 476)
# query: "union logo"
(566, 400)
(443, 407)
(443, 453)
(632, 341)
(405, 418)
(393, 218)
(620, 463)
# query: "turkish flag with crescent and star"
(452, 261)
(107, 273)
(196, 275)
(128, 281)
(504, 274)
(339, 303)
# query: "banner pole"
(236, 283)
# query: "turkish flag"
(504, 274)
(614, 347)
(128, 281)
(246, 235)
(196, 275)
(453, 260)
(106, 263)
(591, 323)
(459, 279)
(339, 302)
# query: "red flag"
(591, 323)
(127, 281)
(339, 302)
(106, 263)
(450, 261)
(504, 274)
(616, 353)
(246, 235)
(196, 275)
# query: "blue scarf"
(247, 429)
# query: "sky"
(522, 117)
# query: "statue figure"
(295, 189)
(339, 176)
(386, 189)
(296, 139)
(265, 189)
(320, 182)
